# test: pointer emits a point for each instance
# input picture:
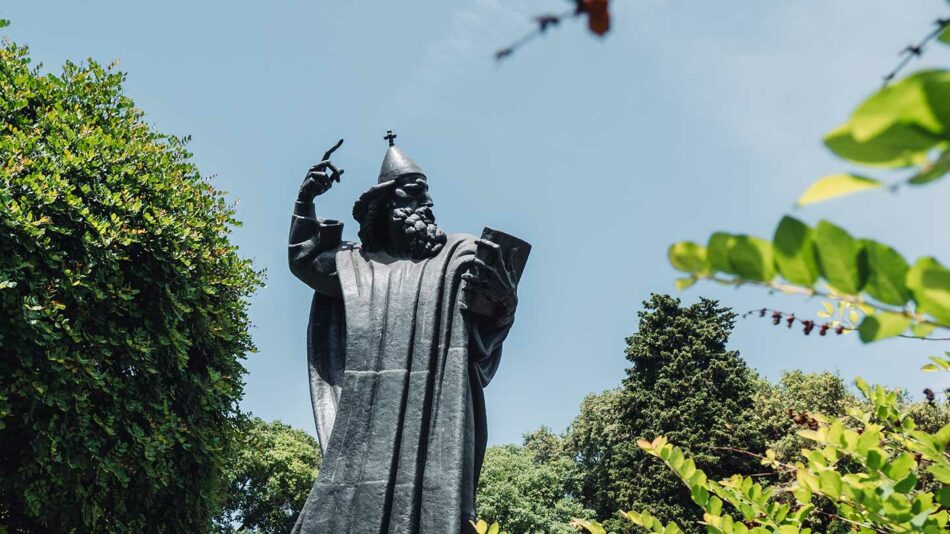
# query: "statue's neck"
(397, 243)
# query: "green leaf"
(914, 101)
(929, 282)
(795, 252)
(752, 258)
(944, 36)
(939, 364)
(717, 252)
(837, 185)
(591, 526)
(942, 437)
(882, 325)
(4, 23)
(887, 271)
(899, 467)
(898, 146)
(922, 329)
(688, 257)
(932, 171)
(683, 284)
(830, 483)
(841, 259)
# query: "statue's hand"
(497, 280)
(318, 181)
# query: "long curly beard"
(426, 239)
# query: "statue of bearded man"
(397, 363)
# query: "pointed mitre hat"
(396, 163)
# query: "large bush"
(270, 477)
(123, 312)
(526, 488)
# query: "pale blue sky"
(689, 117)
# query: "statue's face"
(411, 216)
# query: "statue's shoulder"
(461, 238)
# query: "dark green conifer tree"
(684, 384)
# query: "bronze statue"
(406, 329)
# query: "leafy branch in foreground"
(482, 527)
(880, 471)
(902, 126)
(871, 281)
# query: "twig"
(543, 23)
(756, 455)
(830, 295)
(778, 316)
(917, 50)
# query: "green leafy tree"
(270, 477)
(683, 383)
(598, 443)
(778, 407)
(123, 312)
(527, 488)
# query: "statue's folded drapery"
(396, 373)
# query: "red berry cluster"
(803, 419)
(807, 324)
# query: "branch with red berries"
(598, 22)
(809, 325)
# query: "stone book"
(514, 250)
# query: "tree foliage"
(594, 442)
(123, 312)
(270, 477)
(779, 408)
(683, 383)
(527, 488)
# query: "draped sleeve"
(312, 249)
(487, 337)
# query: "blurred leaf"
(752, 258)
(4, 23)
(922, 329)
(939, 363)
(898, 146)
(837, 185)
(688, 257)
(887, 272)
(882, 325)
(841, 259)
(932, 171)
(930, 284)
(590, 526)
(683, 284)
(717, 252)
(795, 252)
(944, 36)
(917, 101)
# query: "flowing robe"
(396, 377)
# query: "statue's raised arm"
(313, 240)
